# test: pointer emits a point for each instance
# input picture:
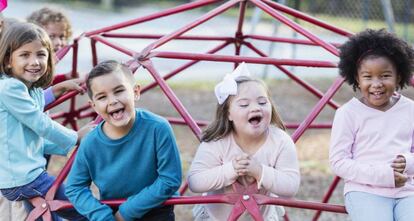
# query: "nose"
(255, 107)
(35, 61)
(113, 100)
(57, 44)
(377, 83)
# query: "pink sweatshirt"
(212, 171)
(364, 142)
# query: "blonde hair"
(46, 15)
(19, 34)
(222, 126)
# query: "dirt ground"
(293, 103)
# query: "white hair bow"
(228, 85)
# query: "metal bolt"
(246, 197)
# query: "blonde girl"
(245, 143)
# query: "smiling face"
(250, 110)
(113, 98)
(378, 80)
(57, 34)
(29, 62)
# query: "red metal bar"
(327, 196)
(307, 18)
(275, 14)
(256, 60)
(94, 54)
(171, 11)
(114, 46)
(202, 123)
(317, 109)
(286, 40)
(303, 83)
(61, 99)
(172, 97)
(239, 32)
(152, 36)
(185, 66)
(190, 26)
(62, 52)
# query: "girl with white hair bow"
(245, 143)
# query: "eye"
(24, 55)
(119, 91)
(42, 54)
(100, 98)
(243, 105)
(262, 103)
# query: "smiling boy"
(132, 154)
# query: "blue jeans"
(366, 207)
(165, 213)
(39, 187)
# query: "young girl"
(246, 143)
(372, 136)
(26, 132)
(59, 29)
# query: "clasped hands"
(398, 165)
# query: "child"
(372, 136)
(27, 133)
(59, 29)
(246, 143)
(137, 156)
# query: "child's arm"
(79, 193)
(208, 172)
(16, 99)
(283, 179)
(68, 85)
(341, 156)
(52, 148)
(48, 95)
(167, 183)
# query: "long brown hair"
(19, 34)
(222, 126)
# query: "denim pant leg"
(165, 213)
(39, 187)
(404, 209)
(365, 206)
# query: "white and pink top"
(364, 142)
(212, 172)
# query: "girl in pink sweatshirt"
(372, 136)
(246, 143)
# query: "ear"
(92, 104)
(229, 116)
(137, 92)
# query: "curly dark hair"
(378, 43)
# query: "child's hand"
(399, 179)
(240, 164)
(68, 85)
(254, 169)
(398, 164)
(85, 130)
(118, 216)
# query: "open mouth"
(255, 120)
(117, 114)
(377, 94)
(33, 71)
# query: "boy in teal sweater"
(132, 154)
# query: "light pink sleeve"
(283, 179)
(208, 172)
(409, 160)
(341, 156)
